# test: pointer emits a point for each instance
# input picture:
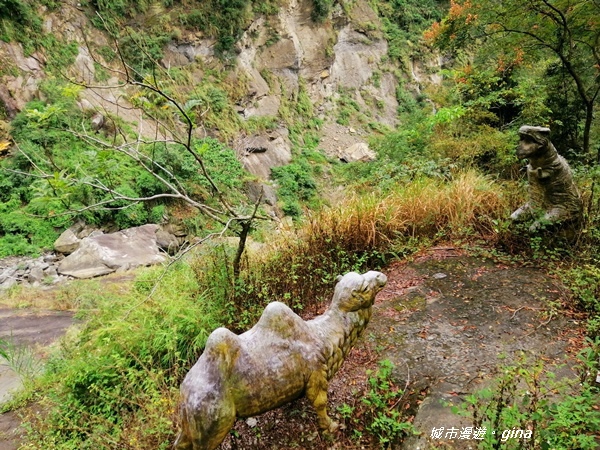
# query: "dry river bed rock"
(446, 320)
(28, 334)
(452, 320)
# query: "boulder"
(258, 153)
(7, 284)
(167, 241)
(183, 54)
(355, 58)
(105, 253)
(83, 69)
(35, 275)
(8, 274)
(8, 103)
(51, 272)
(175, 229)
(267, 106)
(50, 258)
(265, 192)
(358, 152)
(67, 242)
(97, 121)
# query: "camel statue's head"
(354, 291)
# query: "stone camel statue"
(553, 196)
(278, 360)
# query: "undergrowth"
(529, 407)
(114, 384)
(365, 232)
(381, 411)
(384, 418)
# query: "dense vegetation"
(447, 173)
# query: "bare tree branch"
(141, 148)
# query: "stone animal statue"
(553, 196)
(278, 360)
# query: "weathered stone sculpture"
(280, 359)
(553, 196)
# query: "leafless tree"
(176, 131)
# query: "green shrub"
(222, 19)
(11, 245)
(321, 9)
(142, 50)
(122, 371)
(584, 283)
(18, 20)
(402, 156)
(60, 54)
(407, 103)
(384, 419)
(157, 214)
(28, 230)
(557, 413)
(267, 7)
(304, 105)
(130, 214)
(295, 184)
(404, 21)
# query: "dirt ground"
(446, 321)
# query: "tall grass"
(364, 232)
(115, 385)
(21, 358)
(423, 208)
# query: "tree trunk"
(589, 116)
(246, 225)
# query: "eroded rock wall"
(278, 58)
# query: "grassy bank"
(114, 384)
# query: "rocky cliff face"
(346, 54)
(278, 58)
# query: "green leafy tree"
(536, 32)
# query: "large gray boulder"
(67, 242)
(103, 254)
(167, 241)
(259, 153)
(358, 152)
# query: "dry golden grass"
(360, 231)
(423, 208)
